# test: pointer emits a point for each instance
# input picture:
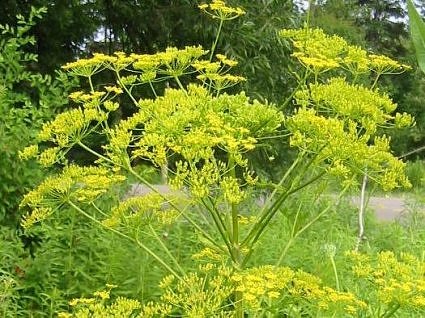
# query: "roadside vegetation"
(173, 182)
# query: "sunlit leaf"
(417, 30)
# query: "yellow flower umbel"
(346, 153)
(393, 282)
(337, 121)
(315, 49)
(219, 10)
(215, 74)
(152, 208)
(320, 52)
(269, 289)
(369, 108)
(204, 294)
(193, 125)
(100, 306)
(74, 184)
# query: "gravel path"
(386, 208)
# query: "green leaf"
(417, 30)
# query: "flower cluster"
(337, 97)
(346, 152)
(321, 52)
(268, 286)
(100, 306)
(395, 281)
(215, 74)
(219, 10)
(208, 254)
(316, 49)
(200, 295)
(338, 121)
(152, 208)
(172, 62)
(193, 125)
(195, 295)
(72, 126)
(77, 184)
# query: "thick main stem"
(237, 258)
(236, 251)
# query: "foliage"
(80, 28)
(12, 256)
(338, 17)
(382, 19)
(64, 31)
(417, 30)
(27, 99)
(415, 170)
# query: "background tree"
(63, 32)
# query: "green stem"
(220, 219)
(335, 273)
(391, 312)
(294, 235)
(310, 4)
(153, 89)
(95, 153)
(270, 213)
(98, 210)
(300, 83)
(220, 227)
(91, 84)
(266, 220)
(144, 247)
(214, 45)
(165, 248)
(263, 211)
(312, 180)
(375, 82)
(236, 249)
(126, 89)
(235, 217)
(144, 181)
(179, 84)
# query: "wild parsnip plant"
(202, 137)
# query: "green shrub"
(27, 99)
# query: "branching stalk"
(165, 248)
(140, 244)
(214, 45)
(294, 235)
